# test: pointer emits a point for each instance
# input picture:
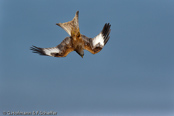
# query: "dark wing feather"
(62, 50)
(95, 45)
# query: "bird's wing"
(94, 45)
(62, 50)
(71, 25)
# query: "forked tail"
(71, 25)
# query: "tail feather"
(71, 25)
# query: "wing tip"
(37, 50)
(106, 31)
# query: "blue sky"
(134, 71)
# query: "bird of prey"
(76, 41)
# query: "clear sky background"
(134, 71)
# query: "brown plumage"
(76, 41)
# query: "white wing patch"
(98, 40)
(49, 51)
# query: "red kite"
(76, 41)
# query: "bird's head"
(80, 52)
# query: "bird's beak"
(82, 56)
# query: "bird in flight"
(76, 41)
